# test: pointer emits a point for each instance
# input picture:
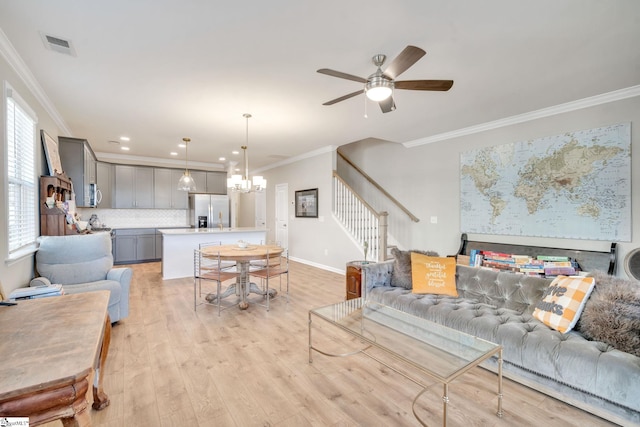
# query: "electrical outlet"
(434, 220)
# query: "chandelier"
(243, 183)
(186, 182)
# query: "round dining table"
(243, 257)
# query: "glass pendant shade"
(186, 182)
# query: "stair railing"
(359, 219)
(378, 187)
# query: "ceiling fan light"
(378, 88)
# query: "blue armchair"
(84, 263)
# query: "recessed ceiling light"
(181, 145)
(235, 152)
(125, 138)
(125, 148)
(222, 159)
(173, 153)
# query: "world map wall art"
(574, 186)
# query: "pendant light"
(243, 183)
(186, 182)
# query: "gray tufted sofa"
(497, 306)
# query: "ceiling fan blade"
(342, 98)
(387, 105)
(409, 56)
(442, 85)
(341, 75)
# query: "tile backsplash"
(124, 218)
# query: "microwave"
(95, 195)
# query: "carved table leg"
(100, 398)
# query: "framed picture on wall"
(52, 154)
(307, 203)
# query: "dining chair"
(225, 264)
(209, 267)
(275, 265)
(258, 264)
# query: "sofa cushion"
(612, 313)
(433, 275)
(401, 273)
(563, 301)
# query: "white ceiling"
(159, 70)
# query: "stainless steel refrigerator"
(208, 210)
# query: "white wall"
(426, 178)
(18, 273)
(316, 241)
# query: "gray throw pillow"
(401, 274)
(612, 313)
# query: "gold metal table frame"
(438, 352)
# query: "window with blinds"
(21, 176)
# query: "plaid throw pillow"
(563, 301)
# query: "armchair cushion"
(70, 260)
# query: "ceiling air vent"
(58, 44)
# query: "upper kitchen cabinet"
(79, 163)
(133, 186)
(105, 178)
(217, 182)
(166, 193)
(200, 178)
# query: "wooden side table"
(50, 348)
(354, 278)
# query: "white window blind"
(21, 176)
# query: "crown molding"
(319, 151)
(146, 161)
(592, 101)
(10, 54)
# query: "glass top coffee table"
(439, 352)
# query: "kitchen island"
(178, 245)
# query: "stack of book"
(542, 265)
(31, 292)
(558, 266)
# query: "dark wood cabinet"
(354, 279)
(54, 190)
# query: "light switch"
(434, 220)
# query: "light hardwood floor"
(171, 366)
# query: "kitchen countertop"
(212, 230)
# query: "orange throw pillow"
(433, 275)
(563, 301)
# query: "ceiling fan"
(379, 85)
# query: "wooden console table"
(49, 350)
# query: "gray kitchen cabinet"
(104, 179)
(135, 245)
(79, 163)
(217, 182)
(200, 178)
(165, 189)
(158, 244)
(133, 186)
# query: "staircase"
(367, 211)
(364, 224)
